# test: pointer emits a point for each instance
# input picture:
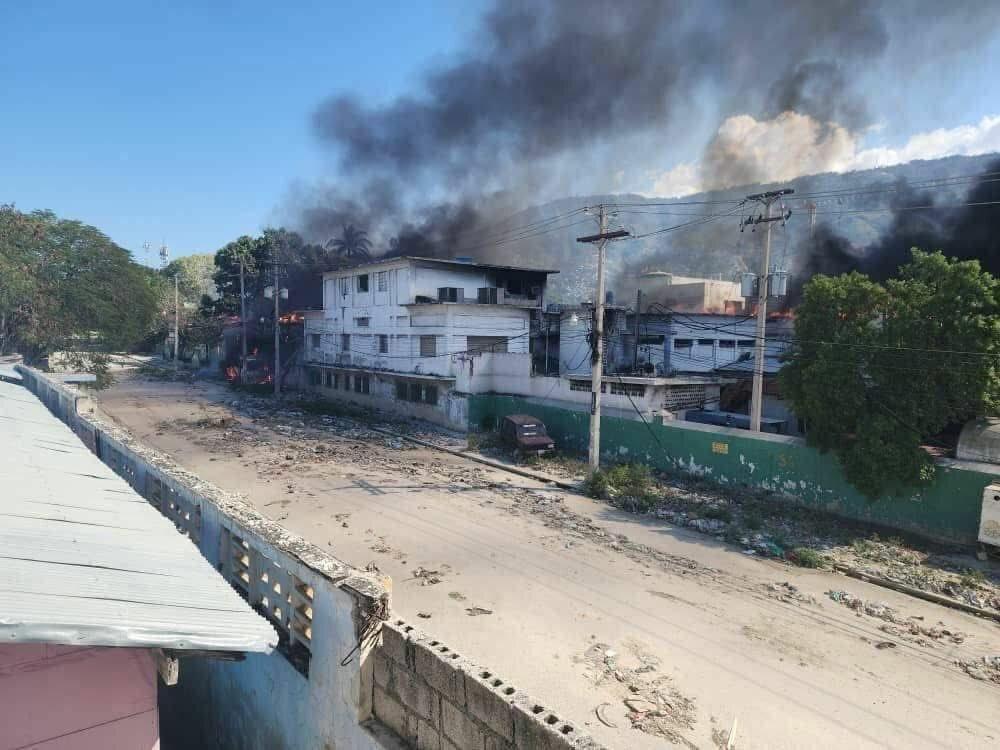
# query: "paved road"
(696, 619)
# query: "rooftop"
(443, 262)
(87, 561)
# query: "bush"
(972, 578)
(629, 486)
(808, 558)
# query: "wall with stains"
(946, 510)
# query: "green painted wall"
(946, 510)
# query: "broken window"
(383, 281)
(428, 346)
(363, 282)
(383, 343)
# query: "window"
(344, 286)
(347, 382)
(416, 391)
(383, 281)
(651, 340)
(345, 342)
(682, 343)
(314, 340)
(362, 384)
(724, 344)
(363, 282)
(635, 390)
(315, 377)
(362, 322)
(383, 343)
(706, 342)
(329, 380)
(428, 346)
(431, 395)
(401, 390)
(585, 385)
(487, 343)
(746, 344)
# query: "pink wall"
(68, 698)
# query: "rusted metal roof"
(85, 560)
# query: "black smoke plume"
(967, 228)
(554, 92)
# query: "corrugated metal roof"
(84, 560)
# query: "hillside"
(719, 247)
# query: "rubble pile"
(986, 669)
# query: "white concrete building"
(408, 334)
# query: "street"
(599, 613)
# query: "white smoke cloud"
(746, 150)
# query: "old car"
(526, 434)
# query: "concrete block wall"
(434, 698)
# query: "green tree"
(876, 370)
(353, 243)
(65, 286)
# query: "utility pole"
(763, 285)
(177, 322)
(638, 318)
(277, 335)
(243, 323)
(597, 346)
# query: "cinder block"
(395, 640)
(538, 728)
(416, 695)
(459, 728)
(389, 712)
(441, 668)
(423, 735)
(489, 700)
(382, 669)
(495, 742)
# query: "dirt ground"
(644, 631)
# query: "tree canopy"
(877, 370)
(65, 286)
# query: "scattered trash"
(600, 711)
(475, 611)
(458, 596)
(884, 645)
(986, 669)
(427, 577)
(425, 615)
(895, 624)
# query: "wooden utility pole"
(763, 285)
(597, 345)
(177, 323)
(638, 322)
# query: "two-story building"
(413, 335)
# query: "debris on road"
(895, 624)
(653, 705)
(986, 669)
(475, 611)
(426, 577)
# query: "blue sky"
(187, 122)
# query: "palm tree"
(352, 243)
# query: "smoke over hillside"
(553, 95)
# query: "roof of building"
(772, 364)
(84, 560)
(444, 262)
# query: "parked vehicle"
(526, 434)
